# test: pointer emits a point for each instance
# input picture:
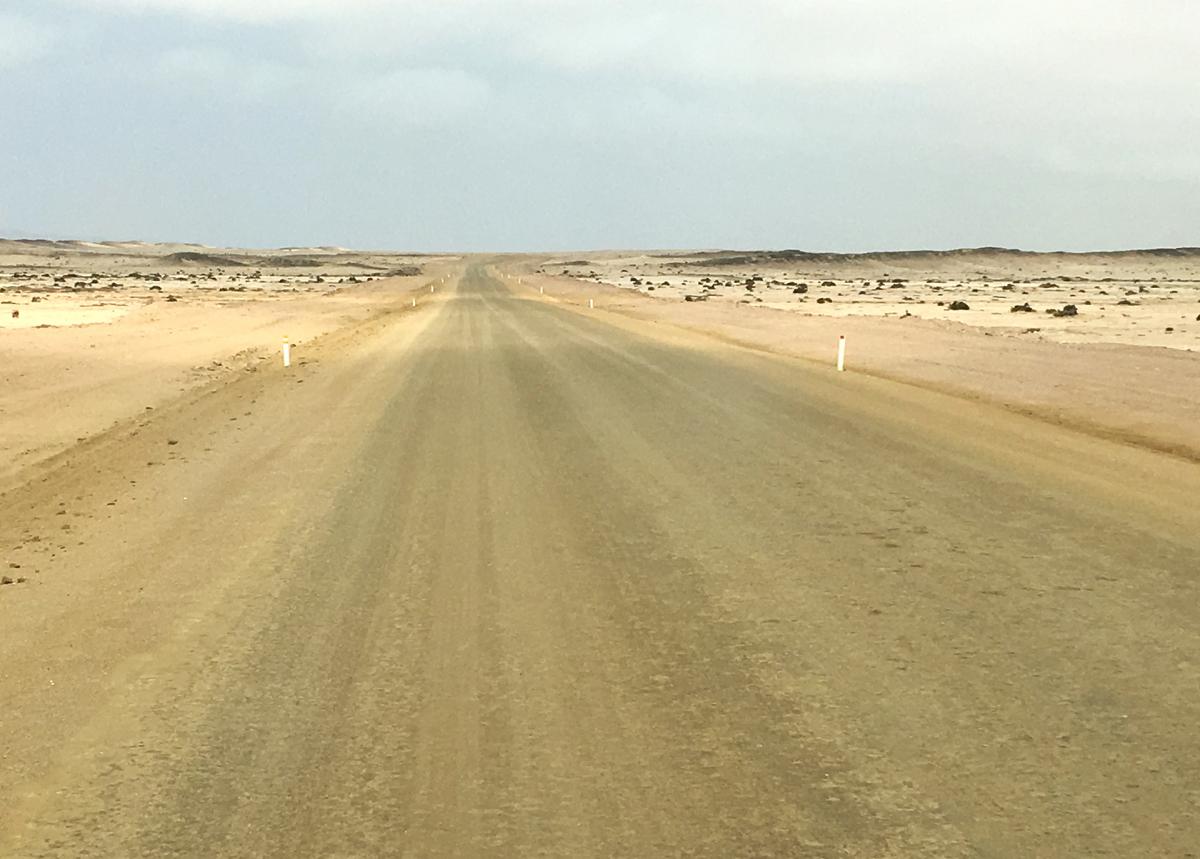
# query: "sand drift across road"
(500, 577)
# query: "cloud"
(22, 40)
(421, 97)
(724, 42)
(932, 97)
(220, 72)
(1100, 83)
(250, 11)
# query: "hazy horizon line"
(19, 237)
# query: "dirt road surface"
(498, 577)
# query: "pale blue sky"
(576, 124)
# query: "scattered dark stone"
(5, 580)
(172, 298)
(1068, 310)
(801, 289)
(155, 288)
(824, 300)
(1127, 303)
(1021, 308)
(172, 441)
(1170, 330)
(959, 305)
(16, 314)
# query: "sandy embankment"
(1142, 394)
(80, 357)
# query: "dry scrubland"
(92, 333)
(1147, 298)
(1105, 342)
(509, 575)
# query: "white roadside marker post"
(591, 304)
(414, 302)
(287, 352)
(841, 361)
(541, 290)
(431, 287)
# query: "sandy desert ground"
(1125, 365)
(1147, 298)
(506, 574)
(94, 333)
